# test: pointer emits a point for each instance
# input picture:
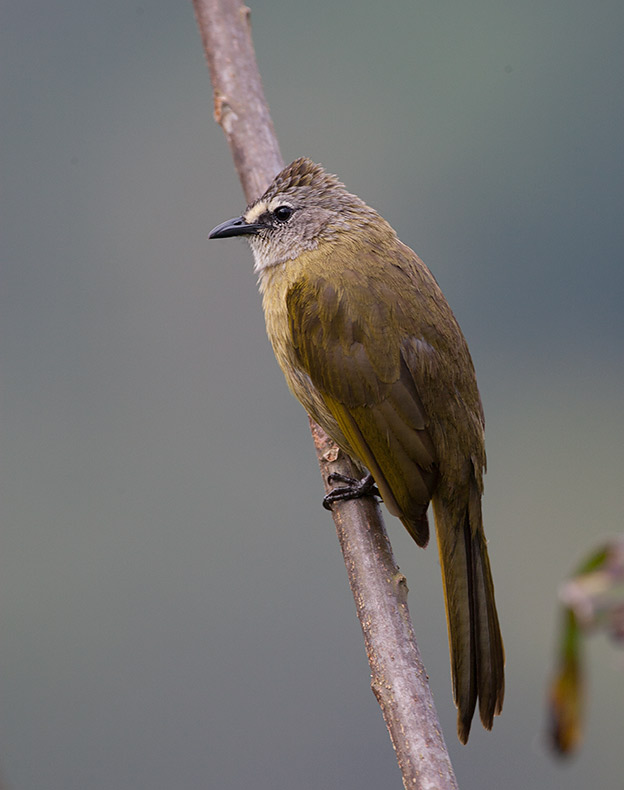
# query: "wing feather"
(368, 388)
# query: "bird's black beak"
(234, 227)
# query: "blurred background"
(175, 611)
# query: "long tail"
(476, 645)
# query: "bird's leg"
(353, 489)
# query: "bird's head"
(303, 208)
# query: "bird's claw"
(353, 489)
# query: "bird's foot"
(353, 489)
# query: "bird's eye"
(282, 213)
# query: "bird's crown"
(302, 173)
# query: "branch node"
(332, 454)
(400, 586)
(224, 115)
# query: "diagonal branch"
(399, 679)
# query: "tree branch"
(399, 679)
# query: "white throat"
(270, 254)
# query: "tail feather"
(476, 646)
(490, 651)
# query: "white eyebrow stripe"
(255, 212)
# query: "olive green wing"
(347, 338)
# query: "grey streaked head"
(303, 206)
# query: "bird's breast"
(275, 284)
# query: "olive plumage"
(370, 347)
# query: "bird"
(370, 347)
